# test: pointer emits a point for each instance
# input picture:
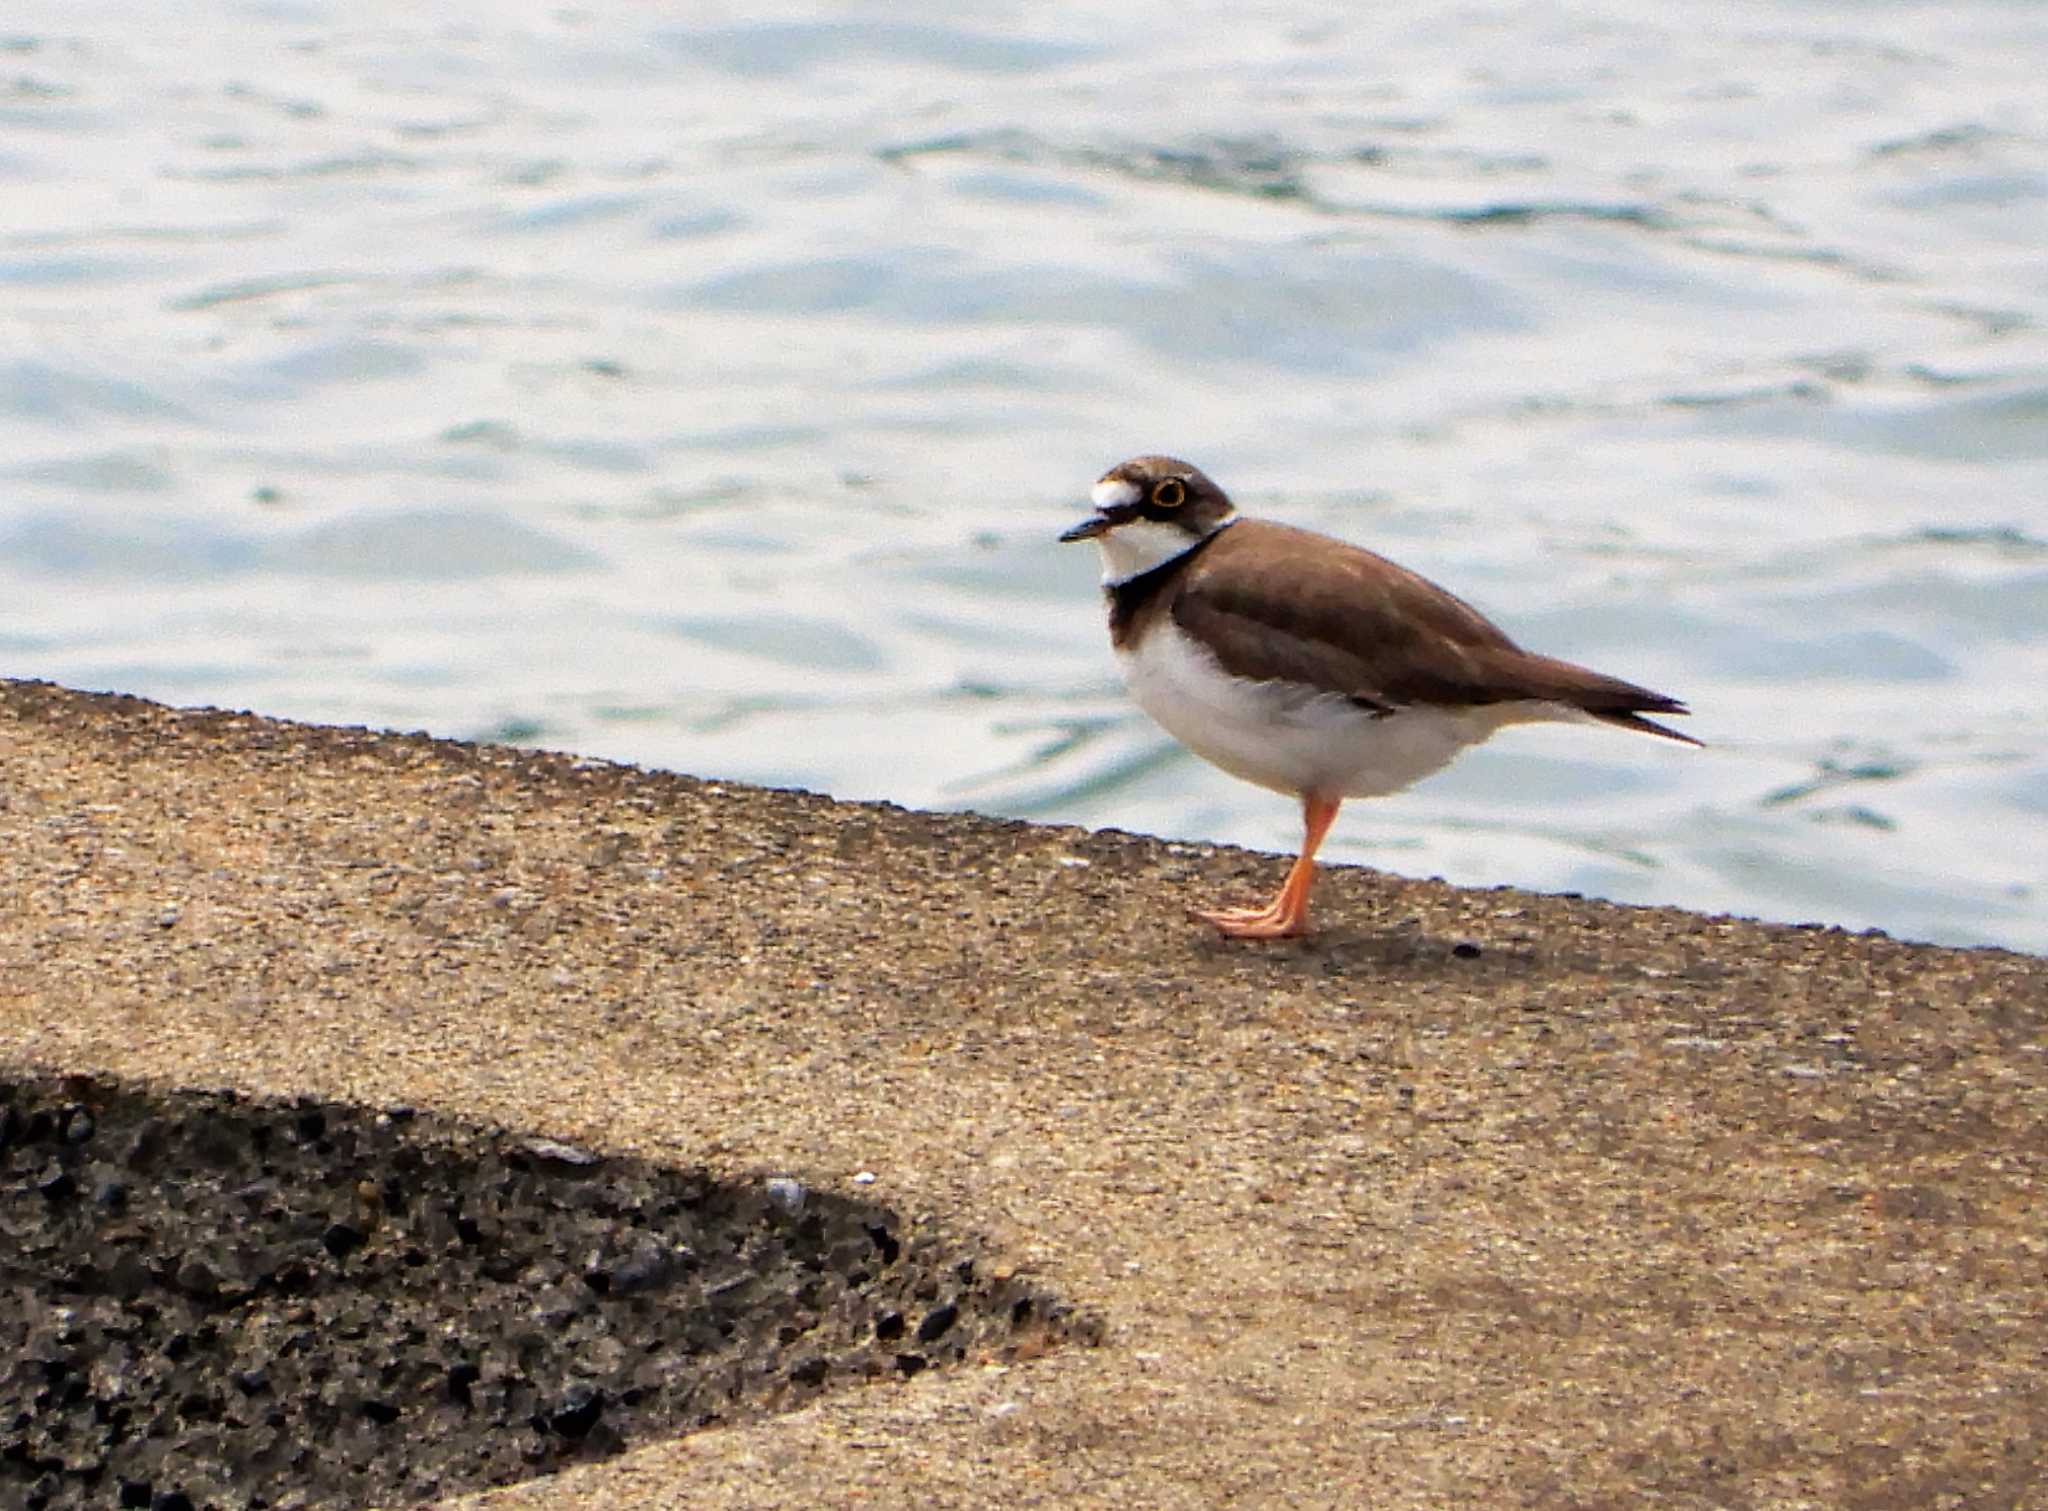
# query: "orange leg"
(1287, 914)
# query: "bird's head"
(1148, 511)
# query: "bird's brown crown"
(1163, 489)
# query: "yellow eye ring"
(1169, 493)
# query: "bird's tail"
(1608, 699)
(1629, 719)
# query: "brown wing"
(1279, 603)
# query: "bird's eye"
(1169, 493)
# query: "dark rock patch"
(213, 1301)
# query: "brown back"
(1275, 602)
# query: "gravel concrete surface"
(216, 1301)
(1477, 1198)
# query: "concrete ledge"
(1634, 1206)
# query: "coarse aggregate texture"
(1473, 1198)
(212, 1301)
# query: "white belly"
(1277, 736)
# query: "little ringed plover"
(1307, 665)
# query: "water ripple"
(781, 49)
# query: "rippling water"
(703, 386)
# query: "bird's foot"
(1272, 922)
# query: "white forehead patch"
(1115, 493)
